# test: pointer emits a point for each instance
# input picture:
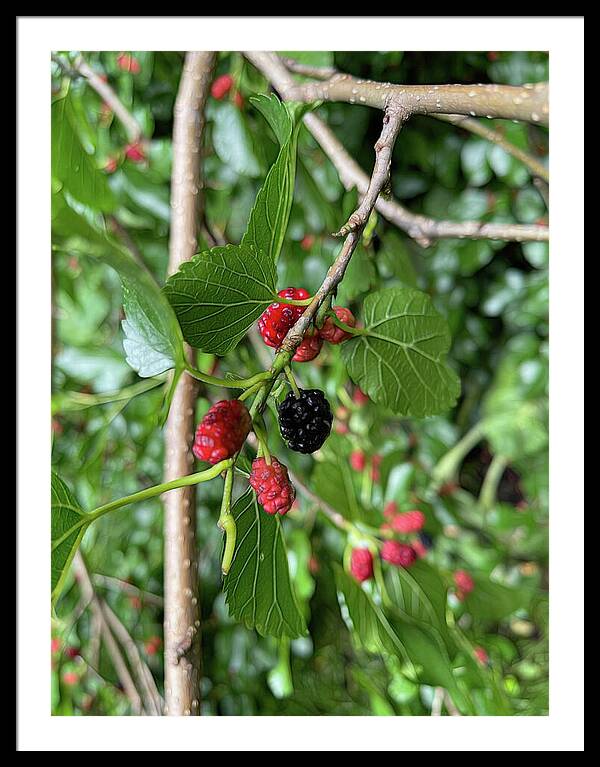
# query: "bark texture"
(182, 612)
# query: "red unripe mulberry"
(128, 63)
(330, 331)
(135, 152)
(357, 460)
(359, 397)
(222, 431)
(272, 486)
(464, 582)
(307, 241)
(408, 522)
(221, 86)
(361, 564)
(111, 165)
(309, 347)
(399, 554)
(277, 319)
(481, 655)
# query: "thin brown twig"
(318, 73)
(152, 699)
(108, 95)
(393, 119)
(88, 593)
(127, 588)
(495, 136)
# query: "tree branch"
(107, 94)
(422, 229)
(182, 614)
(474, 126)
(523, 102)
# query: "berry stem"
(261, 435)
(290, 377)
(226, 522)
(250, 391)
(322, 312)
(347, 328)
(228, 383)
(294, 301)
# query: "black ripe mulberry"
(305, 421)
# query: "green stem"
(250, 391)
(227, 524)
(143, 495)
(258, 426)
(65, 401)
(290, 377)
(348, 328)
(294, 301)
(489, 488)
(228, 383)
(323, 311)
(447, 467)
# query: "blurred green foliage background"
(495, 296)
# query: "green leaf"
(491, 601)
(334, 482)
(369, 623)
(421, 594)
(232, 141)
(400, 361)
(275, 114)
(66, 532)
(257, 588)
(269, 217)
(220, 293)
(153, 342)
(72, 167)
(379, 633)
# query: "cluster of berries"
(221, 86)
(358, 461)
(393, 552)
(134, 150)
(305, 423)
(277, 319)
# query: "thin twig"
(127, 588)
(318, 73)
(152, 699)
(474, 126)
(107, 94)
(393, 119)
(88, 593)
